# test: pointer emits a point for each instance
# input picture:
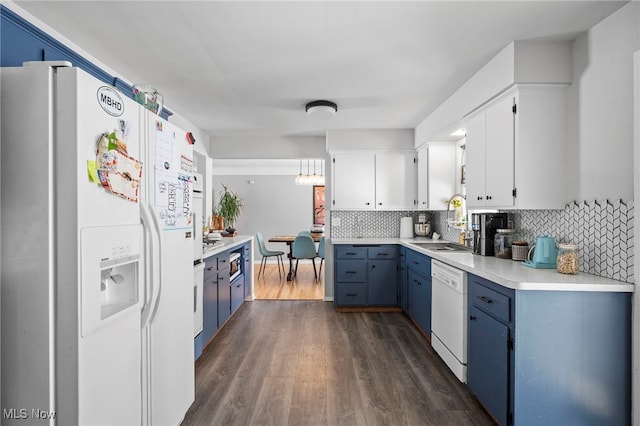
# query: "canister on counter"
(519, 250)
(502, 243)
(568, 260)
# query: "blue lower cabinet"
(224, 298)
(209, 306)
(402, 278)
(366, 275)
(351, 271)
(490, 337)
(560, 358)
(351, 294)
(418, 289)
(419, 299)
(237, 293)
(488, 363)
(246, 272)
(381, 284)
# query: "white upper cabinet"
(516, 150)
(396, 180)
(436, 175)
(353, 180)
(374, 180)
(490, 162)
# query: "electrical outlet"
(335, 221)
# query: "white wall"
(272, 205)
(370, 139)
(202, 145)
(600, 108)
(264, 146)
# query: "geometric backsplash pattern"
(370, 224)
(374, 224)
(603, 231)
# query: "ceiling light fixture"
(321, 109)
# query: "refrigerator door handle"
(154, 283)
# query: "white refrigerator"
(97, 296)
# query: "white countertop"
(508, 273)
(227, 243)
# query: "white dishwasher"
(449, 316)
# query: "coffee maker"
(485, 226)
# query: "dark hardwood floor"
(303, 363)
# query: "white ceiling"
(249, 68)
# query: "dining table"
(288, 239)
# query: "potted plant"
(229, 207)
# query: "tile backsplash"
(375, 224)
(603, 231)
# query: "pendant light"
(307, 178)
(299, 179)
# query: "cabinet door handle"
(367, 204)
(485, 299)
(479, 198)
(472, 318)
(373, 266)
(379, 204)
(488, 197)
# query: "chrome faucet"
(456, 195)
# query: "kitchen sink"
(442, 246)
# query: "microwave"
(234, 265)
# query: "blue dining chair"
(266, 253)
(303, 247)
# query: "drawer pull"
(350, 272)
(351, 294)
(485, 299)
(351, 253)
(383, 254)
